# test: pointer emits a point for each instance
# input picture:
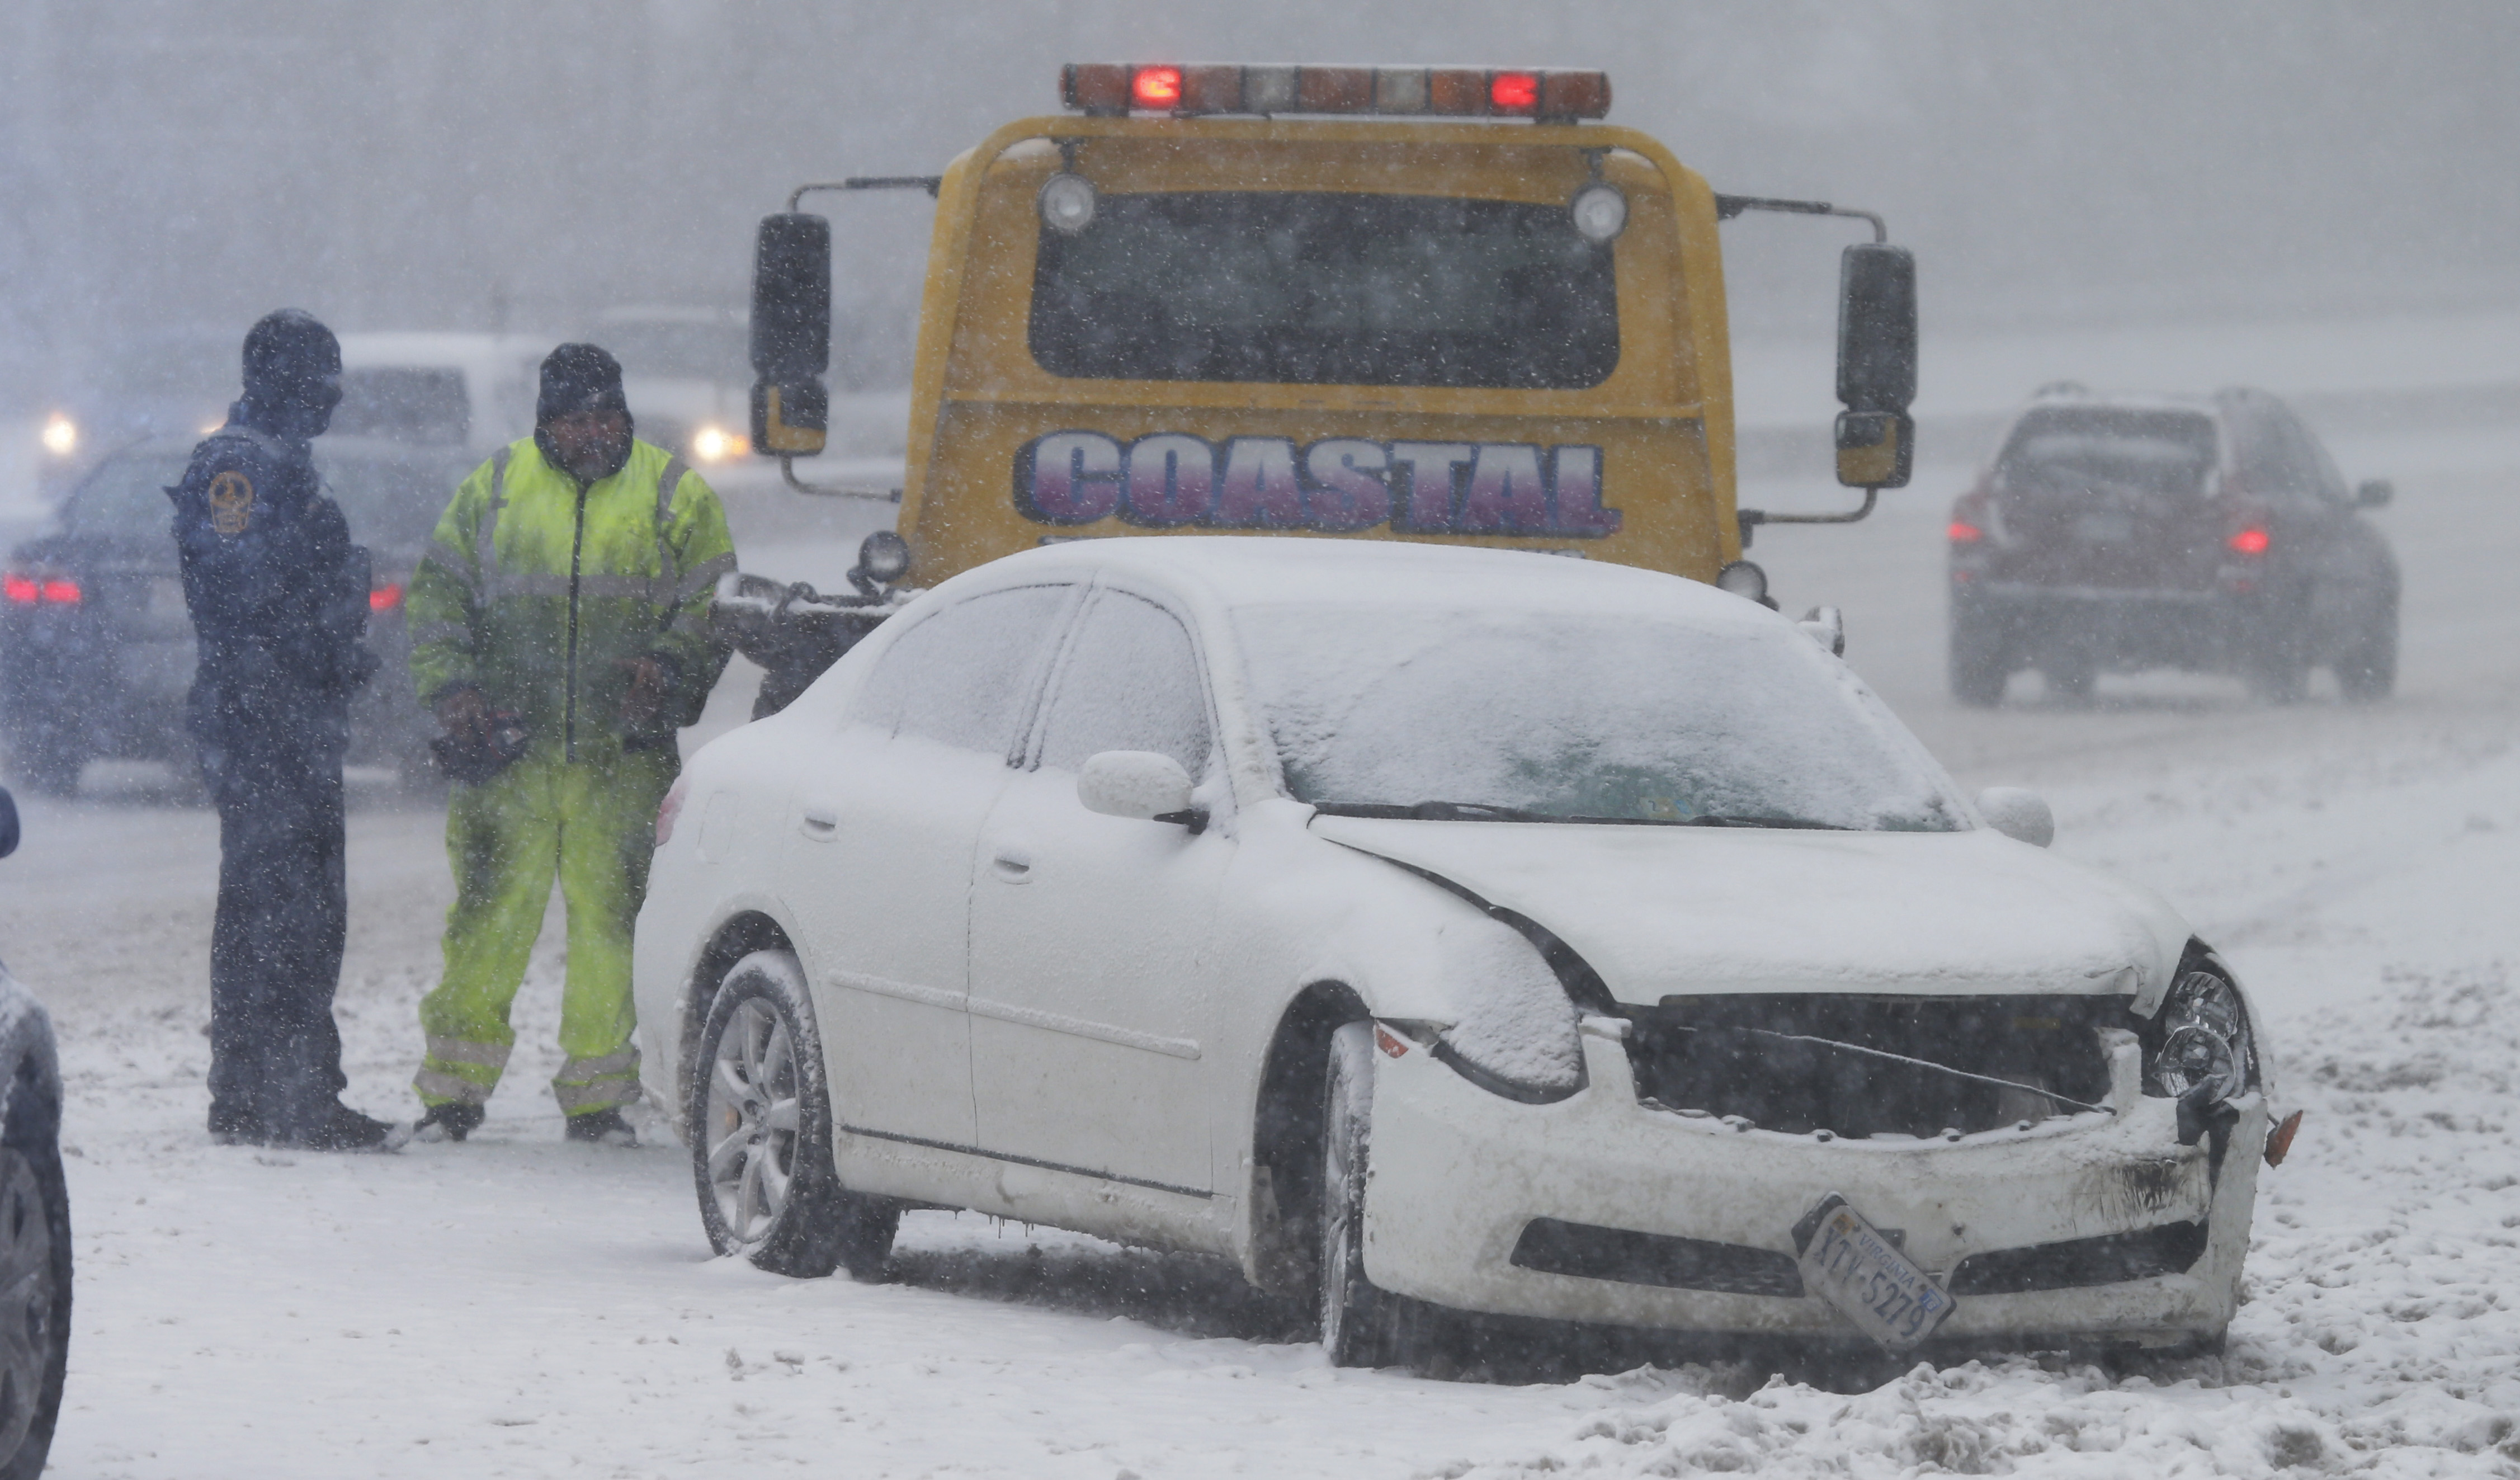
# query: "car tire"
(1361, 1326)
(1978, 671)
(2068, 677)
(2366, 671)
(34, 1302)
(761, 1134)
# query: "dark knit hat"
(579, 377)
(289, 354)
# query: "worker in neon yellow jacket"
(559, 630)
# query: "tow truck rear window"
(1294, 288)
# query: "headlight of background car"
(2205, 1039)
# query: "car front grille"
(1862, 1066)
(2108, 1259)
(1551, 1246)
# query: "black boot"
(452, 1121)
(601, 1128)
(236, 1126)
(335, 1127)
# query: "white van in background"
(440, 389)
(688, 374)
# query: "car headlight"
(1515, 1035)
(2205, 1039)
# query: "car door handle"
(1013, 863)
(819, 821)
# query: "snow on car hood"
(1663, 911)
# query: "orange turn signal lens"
(2279, 1145)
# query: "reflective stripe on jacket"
(536, 591)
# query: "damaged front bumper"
(1600, 1209)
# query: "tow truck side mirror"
(2374, 493)
(791, 334)
(1876, 365)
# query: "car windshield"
(390, 499)
(1554, 716)
(2068, 452)
(1321, 289)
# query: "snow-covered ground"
(518, 1307)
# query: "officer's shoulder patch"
(231, 503)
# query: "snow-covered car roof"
(1250, 570)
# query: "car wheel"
(761, 1142)
(1978, 671)
(1361, 1326)
(2279, 678)
(2068, 676)
(34, 1304)
(2368, 669)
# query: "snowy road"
(518, 1307)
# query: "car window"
(411, 403)
(1131, 683)
(2281, 459)
(125, 498)
(963, 675)
(1327, 288)
(1624, 718)
(2070, 453)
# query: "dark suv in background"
(95, 645)
(2214, 533)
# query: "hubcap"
(26, 1294)
(752, 1121)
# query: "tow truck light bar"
(1112, 89)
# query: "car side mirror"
(1876, 365)
(8, 823)
(2374, 493)
(1139, 784)
(791, 334)
(2019, 814)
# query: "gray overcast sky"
(439, 164)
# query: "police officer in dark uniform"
(278, 598)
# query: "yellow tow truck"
(1444, 304)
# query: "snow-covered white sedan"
(1436, 929)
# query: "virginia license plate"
(1848, 1263)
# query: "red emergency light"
(2250, 542)
(1962, 532)
(386, 598)
(1156, 88)
(1114, 89)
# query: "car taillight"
(2250, 541)
(386, 598)
(1962, 532)
(667, 810)
(26, 590)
